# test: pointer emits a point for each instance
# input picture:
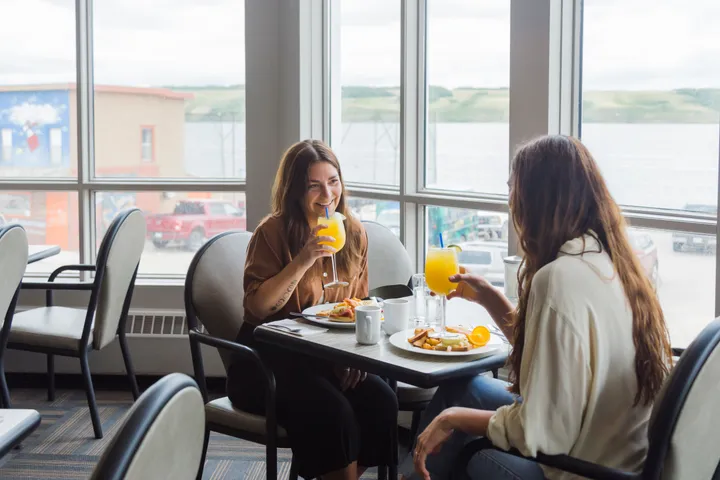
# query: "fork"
(285, 327)
(499, 333)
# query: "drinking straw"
(327, 212)
(442, 244)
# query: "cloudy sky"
(629, 44)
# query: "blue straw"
(327, 212)
(442, 244)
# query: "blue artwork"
(35, 128)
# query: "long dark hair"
(291, 183)
(557, 194)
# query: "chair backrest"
(683, 438)
(117, 263)
(162, 435)
(388, 261)
(214, 287)
(13, 261)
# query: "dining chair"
(214, 296)
(388, 261)
(683, 439)
(13, 261)
(161, 437)
(74, 332)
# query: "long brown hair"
(557, 194)
(289, 189)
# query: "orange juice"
(440, 264)
(336, 229)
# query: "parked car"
(492, 225)
(192, 222)
(485, 258)
(646, 251)
(696, 242)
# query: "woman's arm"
(468, 420)
(476, 289)
(275, 291)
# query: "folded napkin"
(294, 327)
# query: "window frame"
(549, 50)
(86, 183)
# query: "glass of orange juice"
(440, 264)
(336, 229)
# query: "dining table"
(396, 364)
(15, 426)
(41, 252)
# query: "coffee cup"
(367, 324)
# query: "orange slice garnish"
(480, 336)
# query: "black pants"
(327, 428)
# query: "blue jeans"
(482, 393)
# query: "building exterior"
(138, 132)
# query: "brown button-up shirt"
(269, 252)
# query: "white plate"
(400, 340)
(326, 323)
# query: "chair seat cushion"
(412, 394)
(58, 327)
(222, 412)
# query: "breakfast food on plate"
(460, 340)
(344, 311)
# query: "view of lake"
(658, 165)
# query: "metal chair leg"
(51, 377)
(90, 392)
(128, 365)
(4, 390)
(294, 473)
(201, 467)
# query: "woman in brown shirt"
(339, 421)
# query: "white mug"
(367, 324)
(397, 314)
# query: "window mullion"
(412, 94)
(84, 94)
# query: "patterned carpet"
(63, 447)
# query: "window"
(148, 144)
(482, 236)
(382, 212)
(365, 129)
(7, 144)
(178, 223)
(467, 97)
(49, 218)
(653, 125)
(56, 146)
(189, 86)
(37, 78)
(681, 266)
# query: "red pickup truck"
(193, 222)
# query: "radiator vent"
(146, 323)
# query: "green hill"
(469, 104)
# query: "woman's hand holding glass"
(316, 247)
(470, 287)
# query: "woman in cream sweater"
(590, 345)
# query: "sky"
(628, 44)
